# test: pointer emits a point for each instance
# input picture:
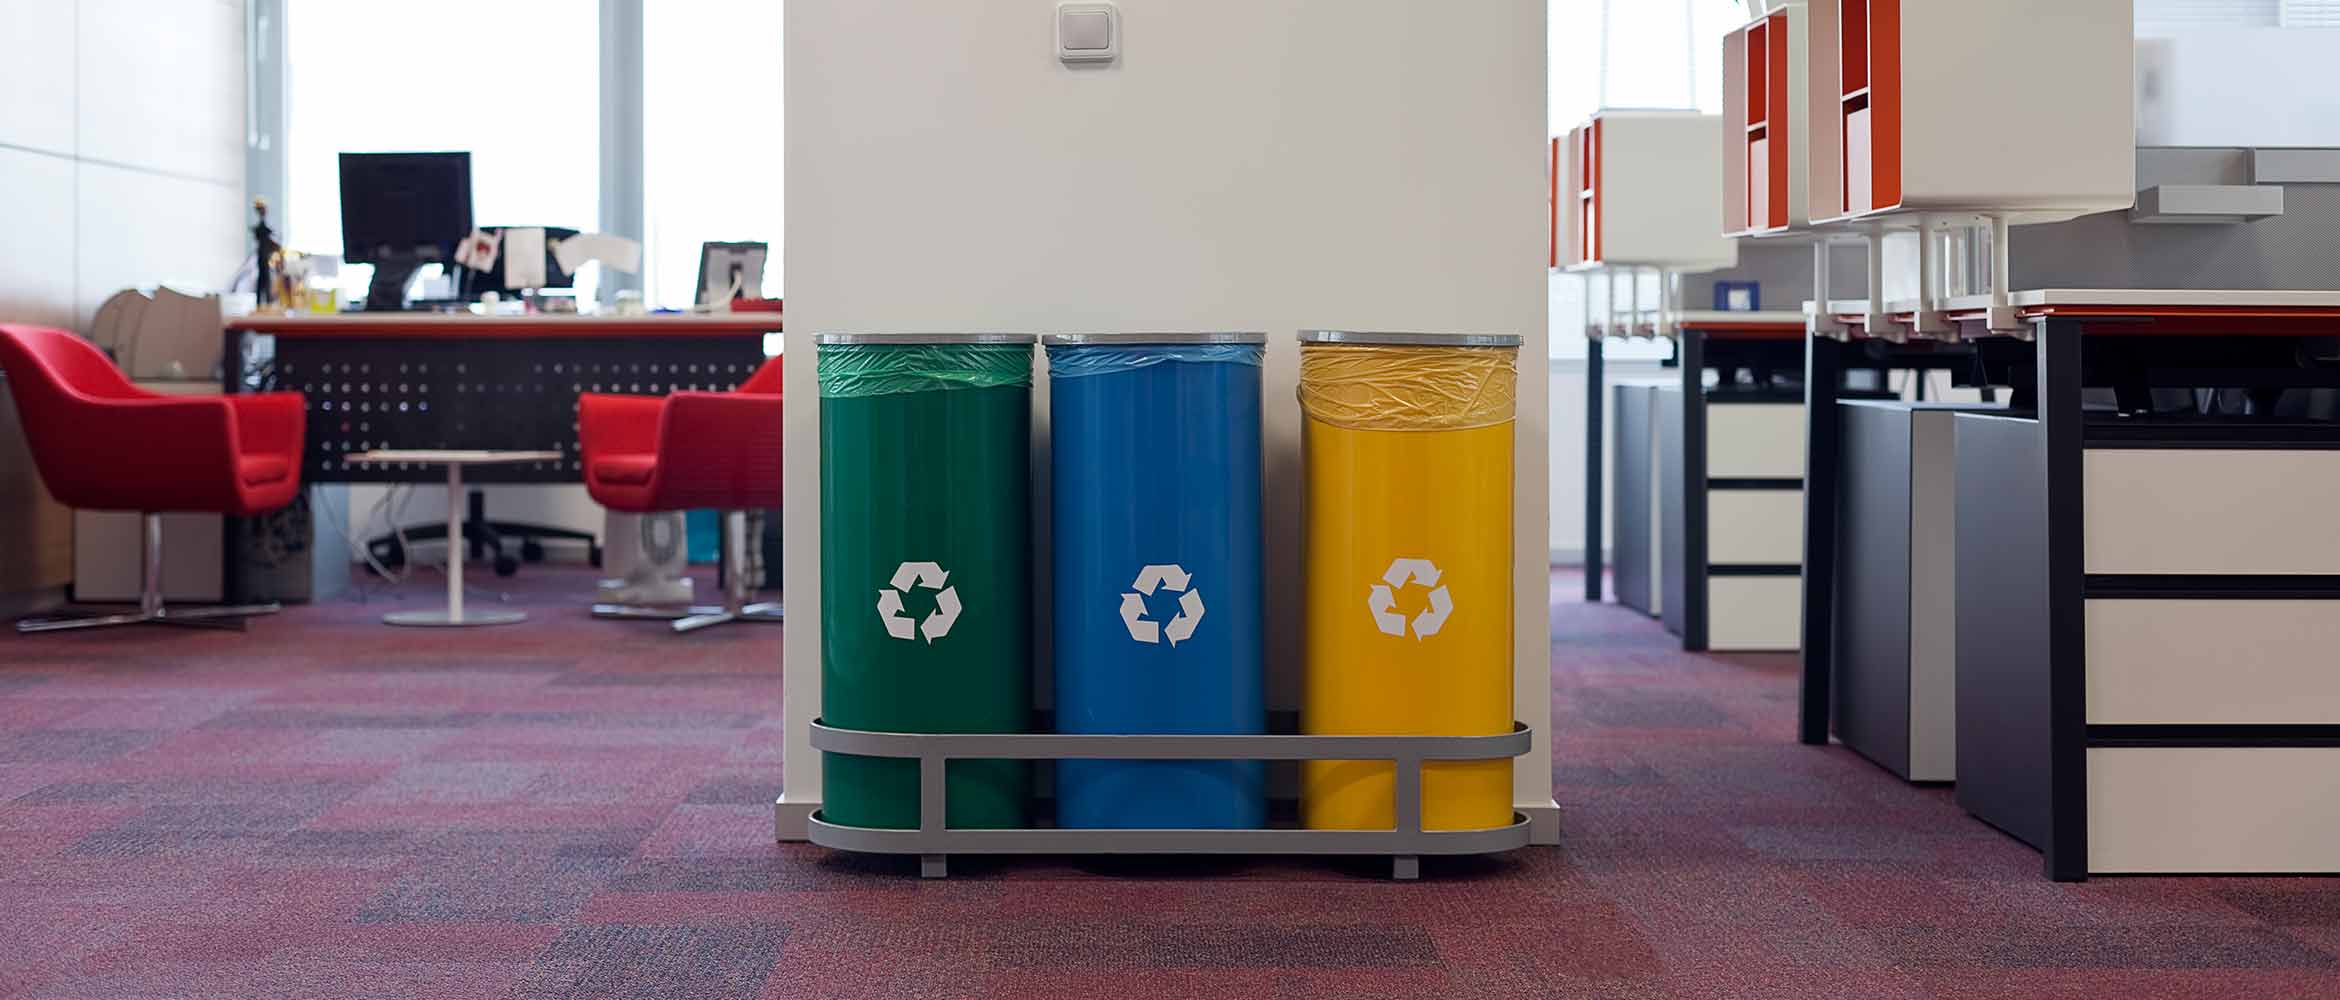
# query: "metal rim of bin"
(1405, 841)
(918, 339)
(1394, 338)
(1141, 339)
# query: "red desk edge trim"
(505, 327)
(2245, 320)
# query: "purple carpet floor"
(324, 806)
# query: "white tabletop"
(433, 456)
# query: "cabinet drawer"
(2182, 512)
(1754, 613)
(2213, 810)
(1755, 527)
(1754, 441)
(2203, 662)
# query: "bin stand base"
(1402, 867)
(791, 821)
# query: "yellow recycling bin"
(1407, 441)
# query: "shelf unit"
(1639, 192)
(1781, 122)
(2004, 108)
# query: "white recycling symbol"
(946, 602)
(1176, 580)
(1383, 602)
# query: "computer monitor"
(400, 211)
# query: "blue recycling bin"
(1155, 451)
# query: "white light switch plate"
(1088, 32)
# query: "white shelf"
(2114, 298)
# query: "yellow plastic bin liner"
(1407, 546)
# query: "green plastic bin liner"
(926, 566)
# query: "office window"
(1659, 55)
(711, 163)
(2311, 13)
(2166, 16)
(2162, 14)
(516, 84)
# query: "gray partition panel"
(1673, 539)
(1871, 668)
(2003, 651)
(1629, 533)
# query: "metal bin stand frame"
(934, 842)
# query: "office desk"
(494, 383)
(423, 381)
(1637, 437)
(2144, 598)
(1709, 483)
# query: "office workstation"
(2120, 528)
(1746, 498)
(1637, 216)
(1707, 496)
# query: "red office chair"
(686, 451)
(103, 444)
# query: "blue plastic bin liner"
(1157, 605)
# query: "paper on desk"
(524, 258)
(612, 251)
(478, 251)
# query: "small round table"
(454, 614)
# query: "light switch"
(1087, 32)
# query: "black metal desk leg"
(1595, 400)
(2059, 347)
(1690, 356)
(231, 563)
(1823, 378)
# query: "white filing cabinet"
(1753, 529)
(2201, 661)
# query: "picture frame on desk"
(731, 270)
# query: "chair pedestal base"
(229, 616)
(150, 609)
(735, 600)
(695, 617)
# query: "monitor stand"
(387, 292)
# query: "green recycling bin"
(926, 566)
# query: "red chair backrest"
(54, 376)
(766, 380)
(60, 367)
